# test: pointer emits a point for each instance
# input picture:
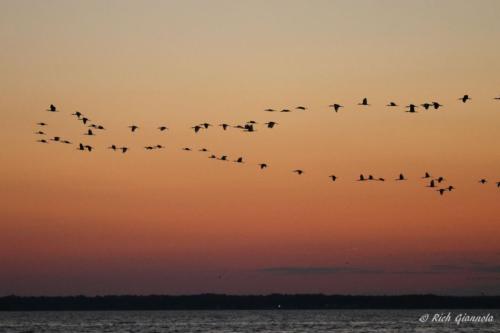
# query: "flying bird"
(41, 124)
(78, 114)
(465, 98)
(40, 133)
(361, 178)
(285, 110)
(427, 175)
(298, 171)
(89, 132)
(336, 107)
(364, 102)
(56, 138)
(392, 104)
(426, 105)
(196, 128)
(432, 184)
(303, 108)
(163, 128)
(239, 160)
(42, 141)
(133, 128)
(333, 177)
(269, 110)
(440, 179)
(224, 126)
(84, 120)
(498, 184)
(186, 149)
(436, 105)
(412, 108)
(271, 124)
(52, 108)
(124, 149)
(203, 149)
(441, 191)
(223, 158)
(401, 177)
(262, 166)
(483, 181)
(112, 147)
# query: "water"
(242, 321)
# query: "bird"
(427, 175)
(333, 177)
(159, 147)
(361, 178)
(336, 107)
(40, 133)
(163, 128)
(124, 149)
(497, 98)
(112, 147)
(450, 188)
(364, 102)
(52, 108)
(206, 125)
(370, 177)
(436, 105)
(42, 141)
(303, 108)
(100, 127)
(223, 158)
(401, 177)
(196, 128)
(133, 128)
(203, 149)
(224, 126)
(89, 148)
(381, 179)
(186, 149)
(89, 132)
(392, 104)
(249, 128)
(271, 124)
(269, 110)
(262, 166)
(426, 105)
(465, 98)
(66, 142)
(441, 191)
(498, 184)
(432, 184)
(93, 125)
(81, 147)
(212, 156)
(298, 171)
(483, 181)
(239, 160)
(412, 108)
(78, 114)
(56, 138)
(84, 120)
(41, 124)
(149, 147)
(285, 110)
(440, 179)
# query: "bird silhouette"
(370, 177)
(483, 181)
(412, 108)
(81, 147)
(392, 104)
(465, 98)
(361, 178)
(432, 184)
(186, 149)
(239, 160)
(159, 147)
(401, 177)
(381, 179)
(336, 107)
(498, 184)
(497, 98)
(440, 179)
(206, 125)
(450, 188)
(441, 190)
(364, 102)
(52, 108)
(271, 124)
(42, 141)
(249, 128)
(78, 114)
(212, 156)
(89, 132)
(163, 128)
(436, 105)
(112, 147)
(333, 177)
(100, 127)
(262, 166)
(224, 126)
(427, 175)
(203, 149)
(124, 149)
(89, 148)
(285, 110)
(303, 108)
(426, 105)
(41, 124)
(93, 125)
(84, 120)
(298, 171)
(223, 158)
(269, 110)
(56, 138)
(133, 128)
(149, 147)
(196, 128)
(40, 133)
(66, 142)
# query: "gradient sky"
(176, 222)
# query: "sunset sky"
(176, 222)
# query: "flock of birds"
(436, 183)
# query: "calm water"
(242, 321)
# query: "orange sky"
(176, 222)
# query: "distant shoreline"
(244, 302)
